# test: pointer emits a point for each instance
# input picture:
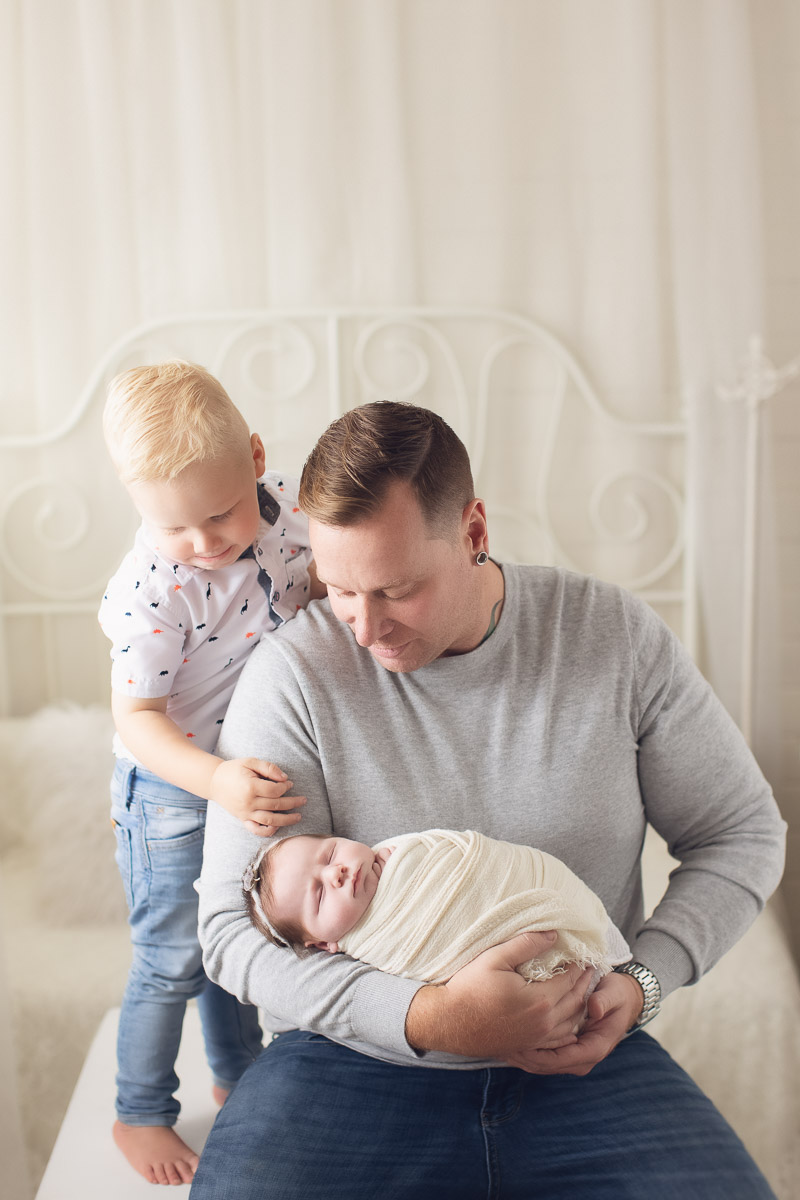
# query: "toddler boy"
(221, 558)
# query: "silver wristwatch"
(649, 985)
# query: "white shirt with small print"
(185, 632)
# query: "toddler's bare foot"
(156, 1152)
(220, 1094)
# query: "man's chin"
(399, 659)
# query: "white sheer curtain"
(593, 164)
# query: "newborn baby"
(422, 905)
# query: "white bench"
(85, 1162)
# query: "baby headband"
(250, 881)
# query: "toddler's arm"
(252, 789)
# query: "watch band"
(650, 987)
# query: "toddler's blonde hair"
(160, 419)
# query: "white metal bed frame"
(319, 362)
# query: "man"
(437, 688)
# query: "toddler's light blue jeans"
(159, 830)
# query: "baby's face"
(325, 884)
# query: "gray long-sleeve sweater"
(581, 719)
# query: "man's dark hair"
(359, 456)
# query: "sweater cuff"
(379, 1009)
(665, 957)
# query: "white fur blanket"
(444, 897)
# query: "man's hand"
(488, 1010)
(255, 791)
(613, 1007)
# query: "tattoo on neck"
(492, 622)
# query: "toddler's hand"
(255, 791)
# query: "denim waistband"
(127, 776)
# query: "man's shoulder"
(535, 582)
(311, 656)
(557, 603)
(312, 632)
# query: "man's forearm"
(426, 1020)
(435, 1022)
(334, 995)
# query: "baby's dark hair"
(284, 933)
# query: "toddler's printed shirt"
(185, 632)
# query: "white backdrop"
(592, 163)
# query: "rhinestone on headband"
(250, 878)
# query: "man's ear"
(474, 525)
(331, 947)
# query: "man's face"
(409, 597)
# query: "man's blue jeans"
(313, 1119)
(159, 830)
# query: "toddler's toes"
(156, 1152)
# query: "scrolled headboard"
(567, 481)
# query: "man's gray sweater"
(580, 720)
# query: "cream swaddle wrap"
(443, 897)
